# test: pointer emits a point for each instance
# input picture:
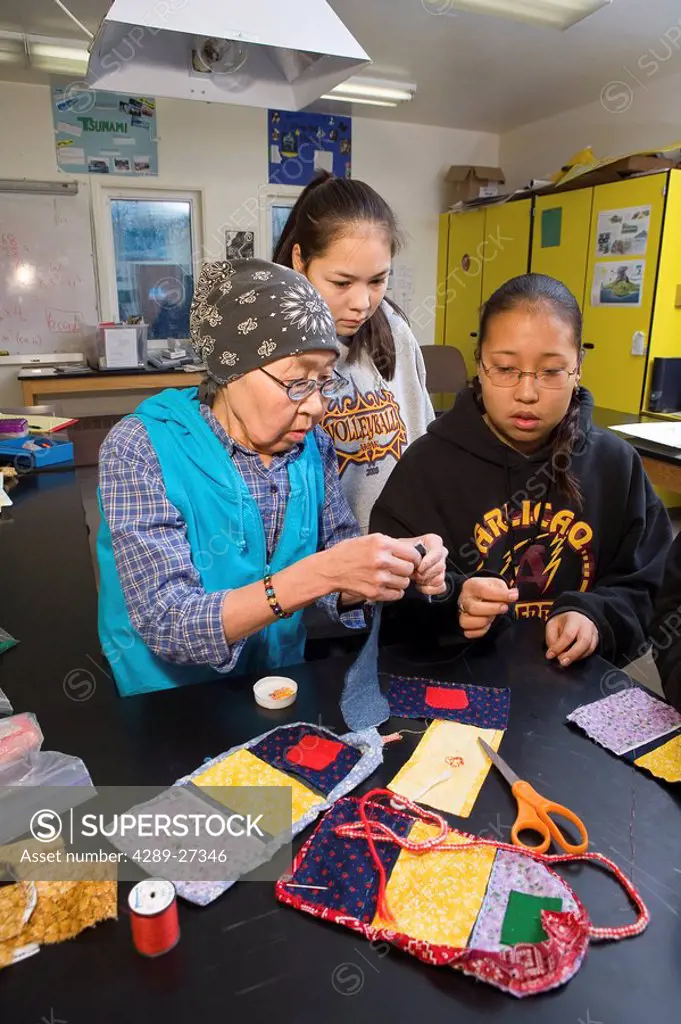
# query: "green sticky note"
(551, 227)
(522, 922)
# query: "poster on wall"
(104, 132)
(618, 284)
(301, 144)
(623, 232)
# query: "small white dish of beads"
(275, 692)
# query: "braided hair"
(534, 291)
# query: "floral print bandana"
(246, 313)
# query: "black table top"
(248, 957)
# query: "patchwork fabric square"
(225, 778)
(416, 697)
(452, 750)
(343, 868)
(438, 903)
(308, 753)
(626, 720)
(522, 922)
(514, 872)
(664, 761)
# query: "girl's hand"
(570, 637)
(481, 599)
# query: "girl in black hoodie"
(544, 515)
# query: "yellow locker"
(560, 238)
(620, 289)
(506, 249)
(464, 282)
(665, 337)
(441, 293)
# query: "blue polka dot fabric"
(344, 866)
(484, 706)
(273, 749)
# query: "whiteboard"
(47, 279)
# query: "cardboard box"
(611, 169)
(471, 181)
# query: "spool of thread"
(153, 916)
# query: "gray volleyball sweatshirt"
(373, 421)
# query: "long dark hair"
(534, 291)
(326, 209)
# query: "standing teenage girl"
(343, 236)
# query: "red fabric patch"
(314, 752)
(444, 697)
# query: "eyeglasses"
(510, 376)
(299, 390)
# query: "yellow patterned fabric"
(454, 747)
(664, 761)
(436, 896)
(45, 912)
(245, 769)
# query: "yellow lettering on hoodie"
(495, 521)
(580, 535)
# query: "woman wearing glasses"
(222, 514)
(544, 515)
(342, 236)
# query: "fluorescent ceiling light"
(56, 55)
(560, 14)
(356, 99)
(58, 51)
(375, 89)
(43, 53)
(47, 188)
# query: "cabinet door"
(506, 250)
(665, 338)
(620, 289)
(560, 238)
(464, 282)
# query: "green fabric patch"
(522, 922)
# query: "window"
(147, 246)
(276, 202)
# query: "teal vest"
(227, 541)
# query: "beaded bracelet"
(272, 597)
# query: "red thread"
(371, 830)
(393, 737)
(157, 933)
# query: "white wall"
(628, 117)
(223, 150)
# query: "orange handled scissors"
(534, 812)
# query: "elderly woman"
(222, 513)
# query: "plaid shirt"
(166, 601)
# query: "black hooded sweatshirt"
(501, 513)
(666, 628)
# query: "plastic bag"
(19, 734)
